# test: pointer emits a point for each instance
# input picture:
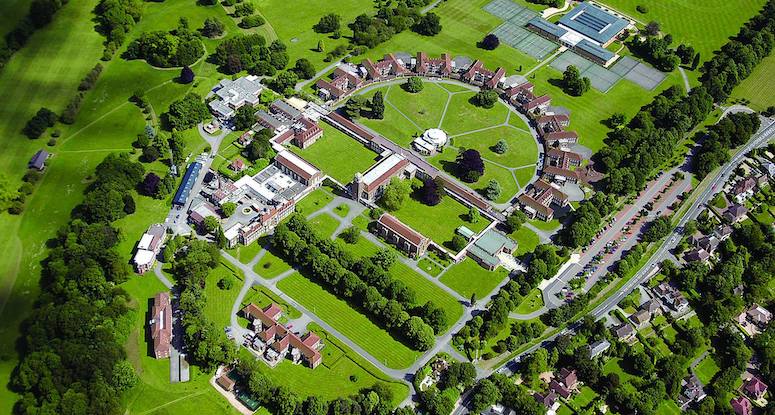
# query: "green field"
(704, 25)
(463, 116)
(468, 278)
(448, 215)
(424, 289)
(356, 326)
(245, 253)
(326, 154)
(706, 369)
(220, 302)
(324, 224)
(522, 150)
(509, 187)
(526, 239)
(759, 87)
(430, 267)
(270, 266)
(424, 108)
(314, 201)
(533, 301)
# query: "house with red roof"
(479, 75)
(274, 341)
(161, 325)
(370, 185)
(755, 388)
(741, 406)
(441, 67)
(343, 82)
(537, 201)
(387, 68)
(402, 236)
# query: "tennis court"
(604, 79)
(513, 33)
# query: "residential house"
(537, 201)
(477, 74)
(548, 399)
(743, 189)
(624, 332)
(565, 383)
(691, 391)
(697, 254)
(671, 297)
(652, 306)
(38, 160)
(148, 247)
(237, 165)
(756, 315)
(640, 318)
(741, 406)
(735, 213)
(275, 341)
(597, 348)
(441, 67)
(722, 232)
(345, 80)
(388, 67)
(755, 388)
(404, 237)
(161, 325)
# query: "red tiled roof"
(280, 158)
(560, 135)
(161, 329)
(384, 177)
(398, 227)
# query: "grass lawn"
(706, 369)
(585, 396)
(589, 110)
(668, 407)
(464, 24)
(524, 175)
(429, 267)
(531, 302)
(527, 241)
(669, 333)
(270, 265)
(449, 214)
(342, 372)
(468, 277)
(324, 224)
(545, 226)
(463, 117)
(245, 253)
(614, 366)
(330, 150)
(262, 297)
(219, 302)
(314, 201)
(342, 210)
(446, 161)
(356, 326)
(704, 25)
(393, 125)
(758, 88)
(424, 289)
(424, 108)
(522, 150)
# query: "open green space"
(527, 241)
(270, 265)
(431, 268)
(704, 25)
(590, 110)
(509, 187)
(245, 253)
(262, 297)
(314, 201)
(464, 24)
(758, 89)
(706, 369)
(220, 301)
(448, 215)
(453, 86)
(468, 278)
(424, 108)
(11, 12)
(324, 224)
(532, 302)
(342, 210)
(614, 366)
(342, 372)
(463, 116)
(522, 148)
(668, 407)
(585, 396)
(544, 225)
(393, 125)
(424, 289)
(356, 326)
(330, 152)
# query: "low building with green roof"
(486, 249)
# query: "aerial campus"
(371, 207)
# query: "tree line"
(366, 285)
(732, 131)
(73, 360)
(115, 19)
(178, 47)
(39, 15)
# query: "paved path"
(687, 87)
(160, 275)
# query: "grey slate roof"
(593, 22)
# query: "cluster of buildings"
(290, 122)
(691, 392)
(233, 94)
(587, 30)
(563, 384)
(148, 248)
(704, 246)
(369, 186)
(274, 341)
(752, 389)
(262, 200)
(347, 78)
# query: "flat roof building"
(234, 94)
(189, 179)
(486, 249)
(593, 23)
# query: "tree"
(351, 234)
(129, 204)
(474, 215)
(150, 185)
(352, 109)
(220, 238)
(501, 147)
(226, 283)
(432, 191)
(244, 118)
(395, 194)
(696, 61)
(652, 28)
(43, 119)
(212, 27)
(228, 208)
(617, 120)
(658, 229)
(186, 75)
(490, 42)
(211, 224)
(473, 299)
(259, 148)
(485, 99)
(304, 69)
(377, 106)
(321, 46)
(484, 395)
(187, 112)
(328, 23)
(428, 25)
(384, 258)
(470, 166)
(515, 221)
(414, 84)
(244, 9)
(458, 243)
(573, 83)
(283, 81)
(248, 22)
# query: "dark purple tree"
(431, 193)
(490, 42)
(150, 185)
(186, 75)
(470, 166)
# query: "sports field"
(448, 215)
(332, 149)
(704, 25)
(759, 88)
(468, 277)
(356, 326)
